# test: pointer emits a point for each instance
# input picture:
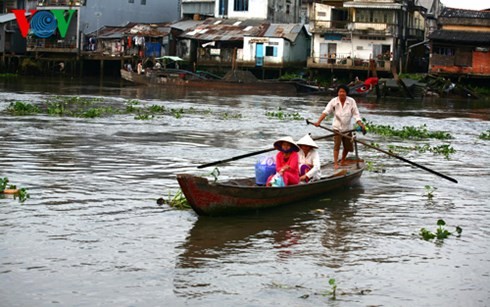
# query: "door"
(323, 53)
(377, 51)
(332, 52)
(259, 55)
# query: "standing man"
(139, 68)
(344, 109)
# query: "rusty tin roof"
(214, 29)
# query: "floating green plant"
(333, 287)
(231, 116)
(429, 191)
(97, 112)
(441, 232)
(446, 150)
(407, 132)
(371, 167)
(130, 105)
(156, 109)
(280, 114)
(178, 201)
(76, 106)
(143, 117)
(332, 292)
(485, 135)
(215, 173)
(22, 108)
(177, 113)
(84, 107)
(3, 183)
(21, 193)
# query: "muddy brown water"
(91, 233)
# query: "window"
(270, 51)
(373, 38)
(374, 16)
(444, 51)
(241, 5)
(130, 1)
(143, 2)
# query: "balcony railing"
(331, 24)
(361, 28)
(346, 63)
(52, 45)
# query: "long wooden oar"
(259, 152)
(388, 153)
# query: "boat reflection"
(212, 238)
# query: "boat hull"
(238, 196)
(186, 79)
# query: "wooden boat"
(359, 90)
(308, 88)
(242, 195)
(188, 79)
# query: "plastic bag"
(277, 181)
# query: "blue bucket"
(264, 167)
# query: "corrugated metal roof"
(185, 25)
(458, 13)
(152, 30)
(482, 38)
(9, 17)
(148, 30)
(289, 31)
(214, 29)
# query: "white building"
(349, 36)
(275, 11)
(282, 45)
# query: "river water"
(92, 234)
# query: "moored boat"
(241, 195)
(188, 79)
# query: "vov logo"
(43, 23)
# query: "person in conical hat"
(286, 161)
(309, 160)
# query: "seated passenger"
(309, 160)
(287, 164)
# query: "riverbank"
(435, 86)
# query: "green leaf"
(459, 230)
